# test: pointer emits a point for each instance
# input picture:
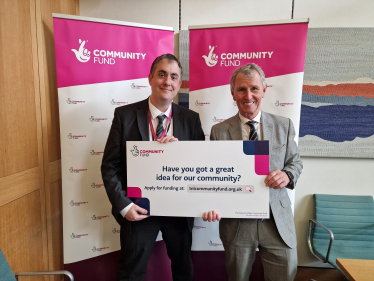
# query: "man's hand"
(211, 216)
(133, 213)
(277, 179)
(167, 139)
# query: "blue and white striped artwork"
(337, 112)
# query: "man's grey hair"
(247, 70)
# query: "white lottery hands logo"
(211, 59)
(83, 55)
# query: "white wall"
(165, 12)
(336, 13)
(197, 12)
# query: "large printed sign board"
(189, 178)
(101, 65)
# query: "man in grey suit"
(275, 237)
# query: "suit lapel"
(235, 129)
(177, 122)
(267, 128)
(267, 134)
(142, 118)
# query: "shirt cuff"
(124, 211)
(291, 184)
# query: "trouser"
(137, 241)
(241, 238)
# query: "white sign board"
(188, 178)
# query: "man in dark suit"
(275, 237)
(155, 118)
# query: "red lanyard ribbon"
(166, 127)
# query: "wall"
(30, 176)
(335, 13)
(195, 12)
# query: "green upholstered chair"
(6, 273)
(344, 228)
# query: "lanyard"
(166, 127)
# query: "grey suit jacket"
(284, 155)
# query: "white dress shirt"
(246, 129)
(156, 112)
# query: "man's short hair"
(247, 70)
(170, 58)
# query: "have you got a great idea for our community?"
(198, 170)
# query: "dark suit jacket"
(130, 123)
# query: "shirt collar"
(155, 111)
(244, 120)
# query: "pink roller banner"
(215, 52)
(278, 47)
(101, 64)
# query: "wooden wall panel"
(49, 71)
(18, 138)
(50, 121)
(57, 261)
(30, 206)
(54, 171)
(21, 234)
(18, 185)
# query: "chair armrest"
(312, 226)
(36, 273)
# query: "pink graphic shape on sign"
(279, 49)
(91, 52)
(134, 192)
(262, 165)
